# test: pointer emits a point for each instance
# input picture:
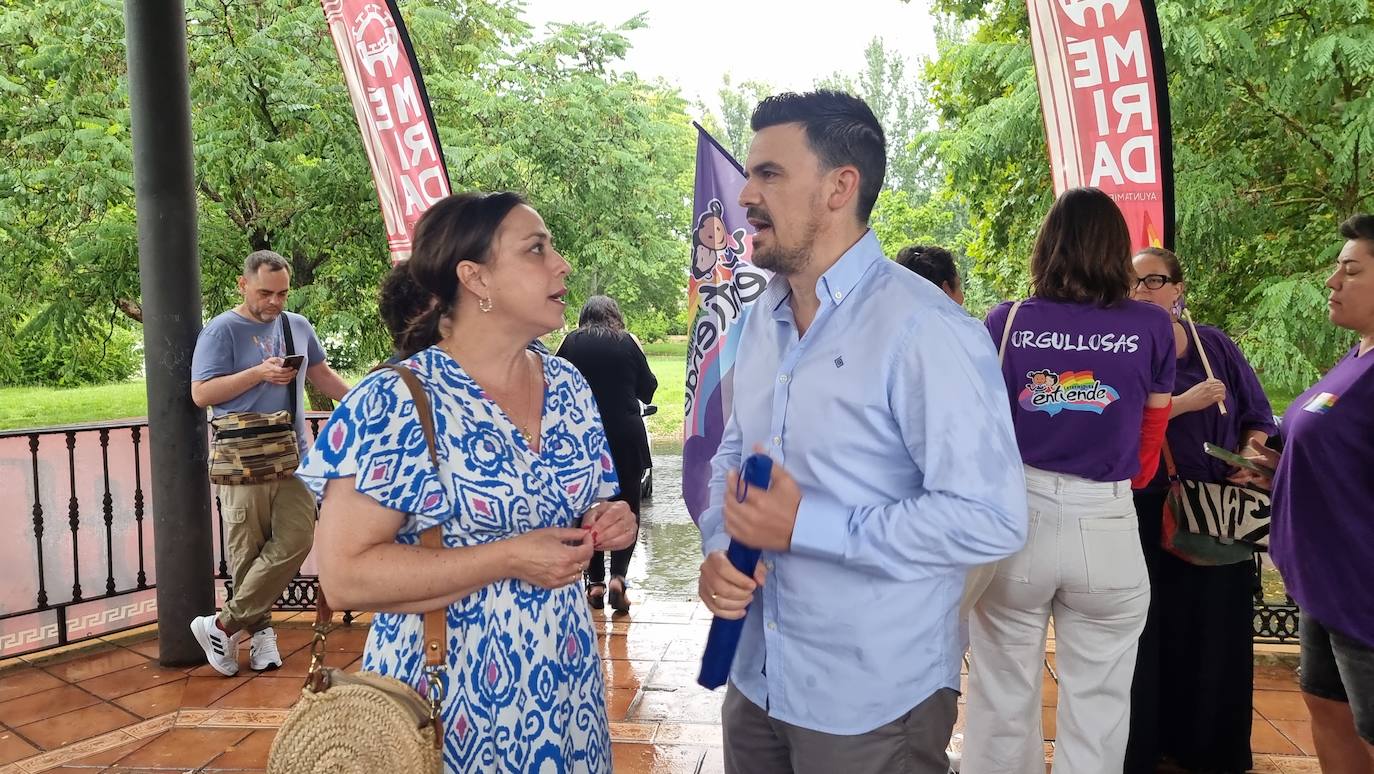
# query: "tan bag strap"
(1006, 331)
(436, 621)
(1202, 353)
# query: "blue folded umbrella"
(723, 639)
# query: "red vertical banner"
(1099, 67)
(392, 108)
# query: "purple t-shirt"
(1322, 530)
(1247, 408)
(1077, 376)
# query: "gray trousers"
(912, 744)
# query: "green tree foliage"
(736, 103)
(1273, 128)
(607, 157)
(280, 165)
(1274, 138)
(910, 209)
(895, 98)
(111, 355)
(66, 220)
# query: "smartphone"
(293, 362)
(1231, 458)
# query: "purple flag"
(722, 285)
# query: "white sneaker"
(221, 650)
(262, 651)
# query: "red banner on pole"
(1099, 67)
(392, 109)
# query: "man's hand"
(766, 517)
(271, 371)
(726, 591)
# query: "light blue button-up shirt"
(892, 416)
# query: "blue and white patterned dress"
(525, 690)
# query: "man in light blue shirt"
(895, 469)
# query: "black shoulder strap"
(290, 350)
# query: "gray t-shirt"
(231, 343)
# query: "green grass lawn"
(673, 346)
(23, 407)
(665, 427)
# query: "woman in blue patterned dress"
(523, 473)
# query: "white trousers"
(1083, 565)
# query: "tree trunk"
(130, 308)
(318, 401)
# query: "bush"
(652, 325)
(42, 357)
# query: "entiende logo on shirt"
(1053, 392)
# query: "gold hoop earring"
(484, 304)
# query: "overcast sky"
(694, 43)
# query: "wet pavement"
(668, 554)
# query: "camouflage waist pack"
(250, 447)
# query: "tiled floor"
(108, 706)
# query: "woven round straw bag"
(366, 723)
(359, 724)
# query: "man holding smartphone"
(251, 359)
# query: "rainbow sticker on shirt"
(1321, 403)
(1053, 392)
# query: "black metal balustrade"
(51, 629)
(1274, 622)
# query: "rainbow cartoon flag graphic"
(722, 286)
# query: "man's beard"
(262, 315)
(788, 260)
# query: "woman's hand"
(1203, 394)
(1263, 456)
(552, 557)
(612, 525)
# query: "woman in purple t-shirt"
(1322, 532)
(1090, 374)
(1195, 657)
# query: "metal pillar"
(169, 269)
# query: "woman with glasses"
(1089, 374)
(1196, 653)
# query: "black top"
(620, 378)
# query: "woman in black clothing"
(1191, 697)
(620, 378)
